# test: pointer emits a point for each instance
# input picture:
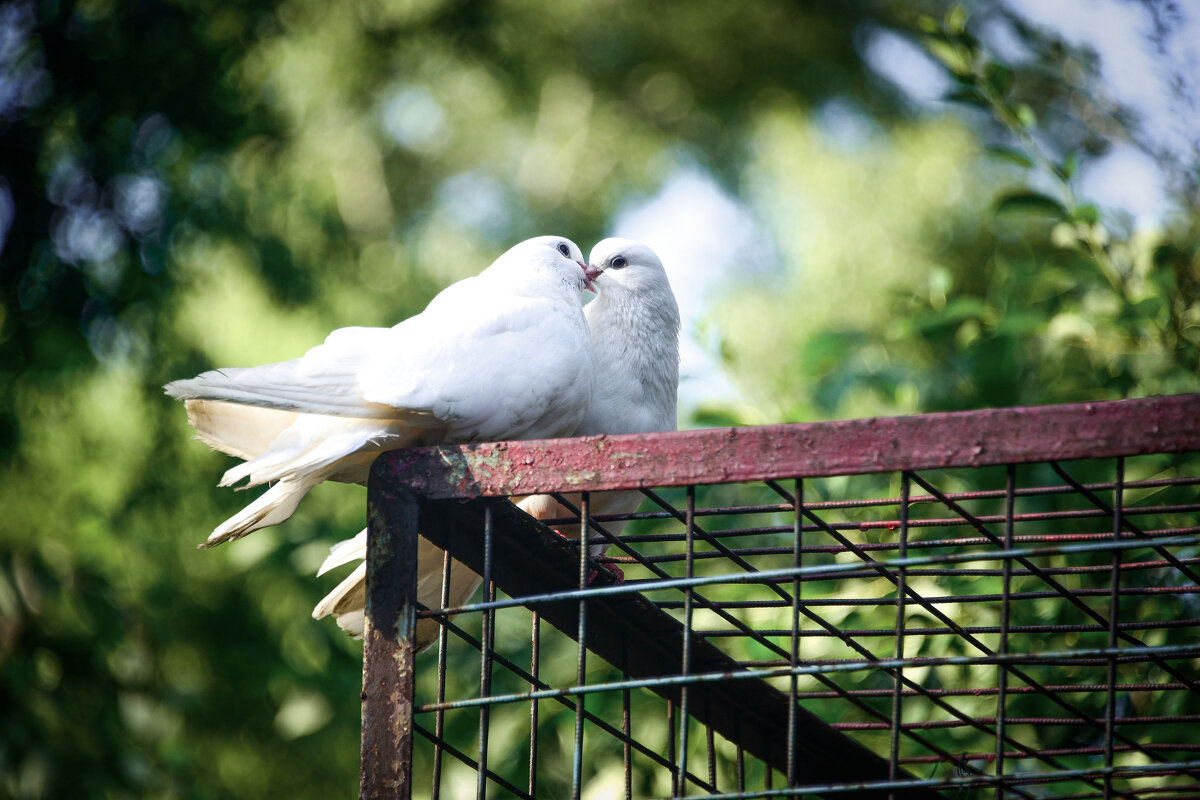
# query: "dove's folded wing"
(503, 371)
(323, 381)
(498, 356)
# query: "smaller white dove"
(502, 355)
(634, 329)
(634, 325)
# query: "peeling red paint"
(716, 455)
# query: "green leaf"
(1010, 154)
(1026, 202)
(998, 77)
(929, 25)
(826, 350)
(1070, 165)
(964, 307)
(1168, 254)
(1151, 307)
(967, 95)
(946, 320)
(1020, 323)
(1025, 115)
(956, 19)
(1086, 212)
(1165, 280)
(955, 57)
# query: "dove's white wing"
(427, 371)
(501, 355)
(497, 377)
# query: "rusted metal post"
(389, 642)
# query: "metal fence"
(1002, 603)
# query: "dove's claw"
(617, 572)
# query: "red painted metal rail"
(803, 450)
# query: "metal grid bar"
(485, 652)
(581, 660)
(685, 658)
(1114, 615)
(793, 685)
(955, 612)
(440, 716)
(901, 622)
(535, 652)
(906, 591)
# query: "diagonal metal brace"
(530, 560)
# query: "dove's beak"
(589, 275)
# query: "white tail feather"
(347, 601)
(242, 431)
(300, 457)
(344, 552)
(354, 622)
(354, 582)
(333, 449)
(271, 508)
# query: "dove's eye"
(562, 248)
(619, 262)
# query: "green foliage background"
(202, 184)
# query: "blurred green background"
(866, 208)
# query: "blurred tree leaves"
(996, 296)
(190, 184)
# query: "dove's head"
(555, 257)
(623, 266)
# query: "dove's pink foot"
(617, 572)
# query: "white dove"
(502, 355)
(634, 328)
(634, 325)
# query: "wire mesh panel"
(941, 606)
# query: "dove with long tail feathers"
(634, 328)
(502, 355)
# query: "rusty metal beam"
(389, 642)
(723, 455)
(751, 713)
